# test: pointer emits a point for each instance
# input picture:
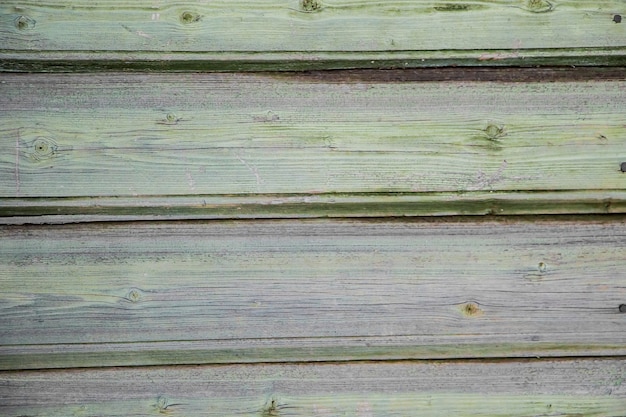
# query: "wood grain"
(147, 138)
(195, 292)
(528, 388)
(304, 34)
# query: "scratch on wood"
(164, 406)
(364, 409)
(252, 169)
(190, 180)
(498, 56)
(17, 163)
(137, 32)
(483, 181)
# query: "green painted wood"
(308, 146)
(518, 389)
(301, 34)
(93, 209)
(217, 292)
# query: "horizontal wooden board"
(213, 292)
(294, 145)
(93, 209)
(517, 389)
(303, 34)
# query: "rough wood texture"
(299, 146)
(517, 316)
(590, 388)
(305, 34)
(171, 293)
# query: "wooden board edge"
(15, 211)
(88, 356)
(85, 61)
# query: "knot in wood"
(42, 148)
(471, 310)
(24, 23)
(310, 5)
(134, 295)
(494, 132)
(188, 17)
(539, 6)
(542, 267)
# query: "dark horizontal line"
(489, 74)
(322, 362)
(301, 53)
(285, 61)
(493, 194)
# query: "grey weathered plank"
(297, 34)
(157, 140)
(529, 388)
(166, 293)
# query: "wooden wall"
(313, 208)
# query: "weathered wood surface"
(196, 292)
(528, 388)
(305, 34)
(308, 146)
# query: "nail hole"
(622, 167)
(24, 23)
(41, 147)
(617, 18)
(622, 308)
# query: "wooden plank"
(183, 141)
(529, 388)
(304, 34)
(196, 292)
(93, 209)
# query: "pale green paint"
(159, 139)
(89, 209)
(329, 404)
(196, 292)
(148, 146)
(490, 32)
(507, 388)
